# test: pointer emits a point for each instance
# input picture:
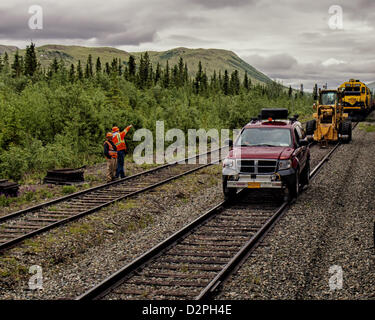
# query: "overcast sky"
(293, 41)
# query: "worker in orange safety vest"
(110, 153)
(119, 140)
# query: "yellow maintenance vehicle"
(356, 98)
(330, 123)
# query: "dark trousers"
(120, 164)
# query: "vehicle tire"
(294, 188)
(229, 193)
(310, 127)
(305, 175)
(347, 131)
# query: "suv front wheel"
(305, 175)
(294, 187)
(229, 193)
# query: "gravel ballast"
(81, 254)
(329, 228)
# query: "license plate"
(253, 185)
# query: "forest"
(57, 116)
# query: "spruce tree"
(16, 66)
(213, 82)
(79, 71)
(87, 72)
(98, 66)
(114, 66)
(220, 80)
(157, 73)
(90, 72)
(246, 82)
(31, 62)
(166, 76)
(6, 63)
(151, 76)
(181, 76)
(175, 76)
(1, 64)
(72, 73)
(204, 82)
(144, 71)
(315, 92)
(54, 66)
(107, 68)
(22, 65)
(234, 83)
(290, 91)
(186, 74)
(226, 83)
(131, 68)
(198, 78)
(119, 67)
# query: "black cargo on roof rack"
(274, 113)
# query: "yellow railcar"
(356, 97)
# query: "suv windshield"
(272, 137)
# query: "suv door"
(300, 151)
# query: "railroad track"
(27, 223)
(194, 262)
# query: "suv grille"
(257, 166)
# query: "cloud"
(278, 62)
(288, 39)
(332, 61)
(216, 4)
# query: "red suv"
(271, 152)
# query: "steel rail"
(12, 242)
(102, 186)
(250, 246)
(116, 279)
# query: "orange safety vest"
(111, 151)
(119, 139)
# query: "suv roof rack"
(274, 113)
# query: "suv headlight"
(229, 163)
(285, 164)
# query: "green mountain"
(212, 59)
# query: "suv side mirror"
(228, 142)
(303, 142)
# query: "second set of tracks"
(18, 226)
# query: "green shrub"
(68, 189)
(13, 163)
(5, 201)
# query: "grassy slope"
(212, 59)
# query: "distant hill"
(212, 59)
(371, 85)
(9, 49)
